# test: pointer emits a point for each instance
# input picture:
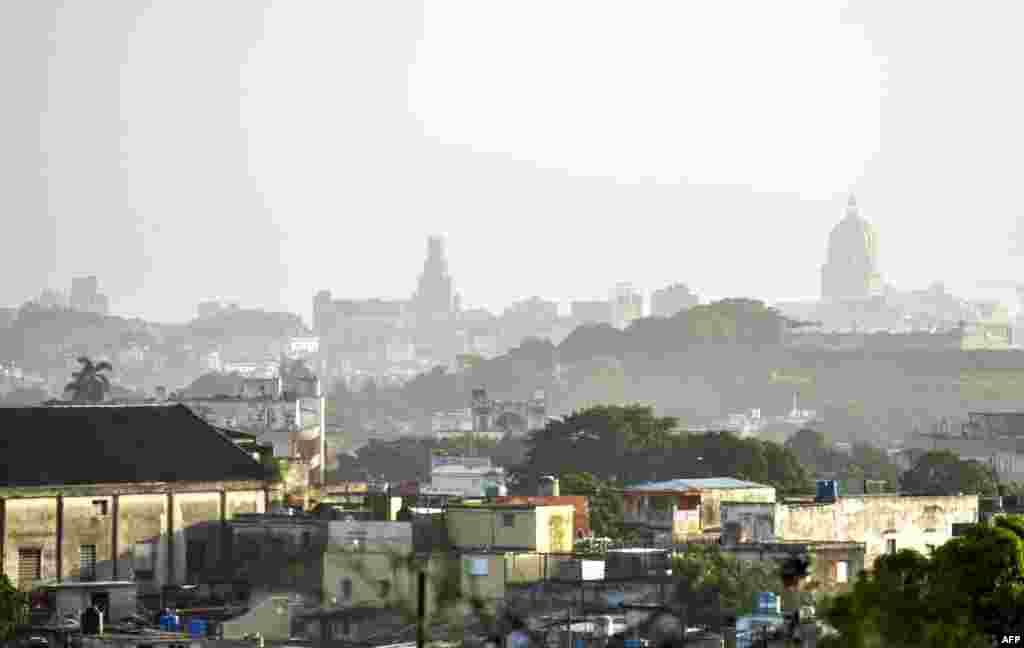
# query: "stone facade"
(131, 531)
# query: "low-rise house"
(469, 476)
(681, 509)
(529, 527)
(834, 565)
(883, 523)
(277, 553)
(115, 492)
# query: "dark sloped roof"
(43, 446)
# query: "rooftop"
(711, 483)
(104, 444)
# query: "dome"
(851, 269)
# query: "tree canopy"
(967, 592)
(631, 443)
(89, 384)
(943, 472)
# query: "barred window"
(87, 562)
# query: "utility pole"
(421, 611)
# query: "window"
(30, 566)
(385, 588)
(87, 562)
(842, 571)
(508, 520)
(345, 589)
(478, 567)
(960, 528)
(99, 507)
(890, 546)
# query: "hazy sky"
(189, 149)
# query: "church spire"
(852, 200)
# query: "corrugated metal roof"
(711, 483)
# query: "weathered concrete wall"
(197, 518)
(711, 502)
(141, 541)
(88, 522)
(912, 522)
(73, 600)
(748, 522)
(279, 555)
(30, 524)
(489, 586)
(271, 618)
(141, 521)
(245, 502)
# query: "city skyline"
(116, 171)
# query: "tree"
(604, 501)
(813, 450)
(874, 464)
(709, 583)
(90, 385)
(968, 592)
(942, 472)
(13, 608)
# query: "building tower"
(851, 268)
(434, 290)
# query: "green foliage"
(865, 462)
(89, 384)
(970, 590)
(710, 583)
(605, 504)
(942, 472)
(631, 443)
(13, 608)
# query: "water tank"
(197, 627)
(827, 490)
(549, 486)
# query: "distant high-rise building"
(851, 269)
(85, 296)
(627, 305)
(434, 295)
(668, 301)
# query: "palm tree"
(89, 385)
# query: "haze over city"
(264, 151)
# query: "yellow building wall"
(470, 528)
(555, 529)
(31, 524)
(82, 526)
(711, 502)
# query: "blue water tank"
(828, 489)
(197, 627)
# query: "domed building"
(851, 269)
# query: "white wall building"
(468, 476)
